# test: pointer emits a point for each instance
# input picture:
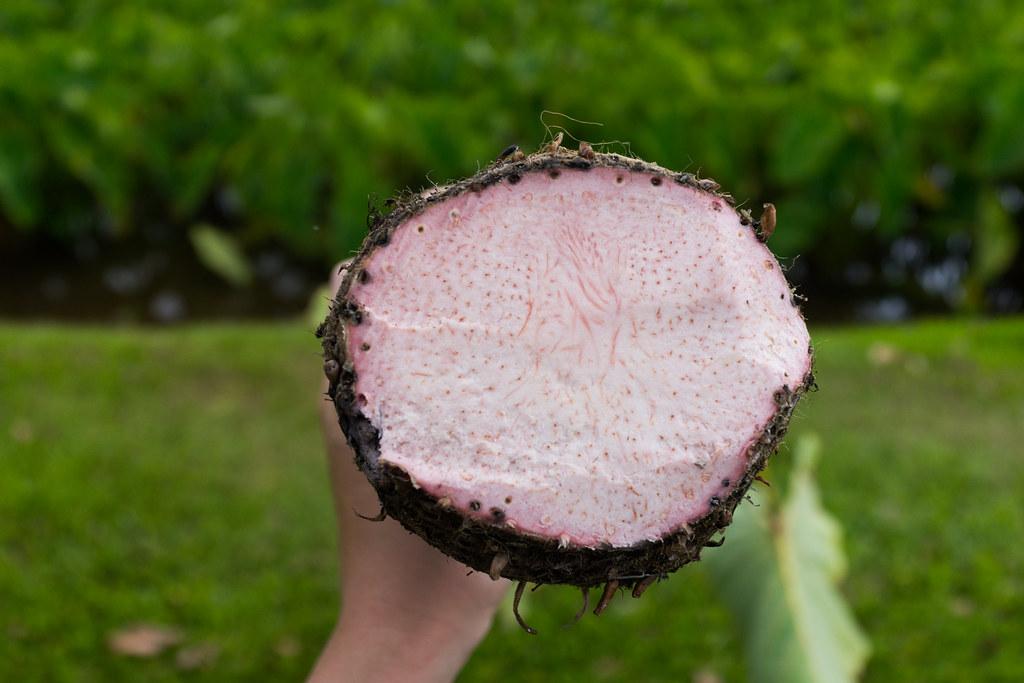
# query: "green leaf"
(20, 163)
(1001, 148)
(778, 573)
(809, 138)
(219, 252)
(997, 240)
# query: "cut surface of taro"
(574, 365)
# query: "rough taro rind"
(477, 544)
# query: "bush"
(862, 121)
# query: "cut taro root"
(568, 368)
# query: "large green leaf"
(778, 572)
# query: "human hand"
(408, 613)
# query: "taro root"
(568, 368)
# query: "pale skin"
(408, 613)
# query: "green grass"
(177, 477)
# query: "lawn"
(176, 478)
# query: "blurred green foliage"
(282, 116)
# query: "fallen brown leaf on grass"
(881, 354)
(22, 431)
(706, 675)
(143, 640)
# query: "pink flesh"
(591, 355)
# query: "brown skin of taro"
(476, 543)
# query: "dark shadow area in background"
(147, 280)
(154, 277)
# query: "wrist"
(412, 647)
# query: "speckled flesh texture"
(567, 368)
